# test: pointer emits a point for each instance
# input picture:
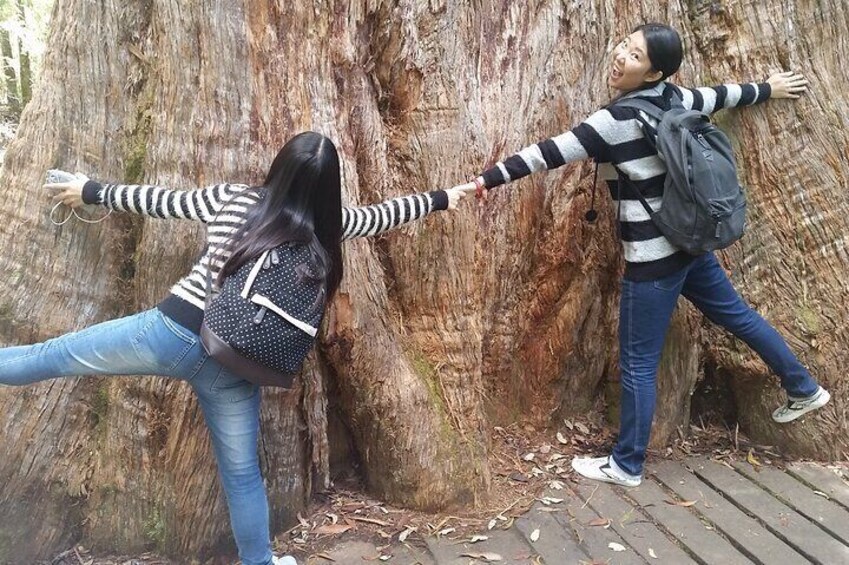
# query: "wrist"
(480, 186)
(91, 192)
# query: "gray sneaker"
(797, 407)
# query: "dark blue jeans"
(644, 313)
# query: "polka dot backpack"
(263, 320)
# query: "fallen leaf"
(562, 439)
(385, 557)
(535, 535)
(616, 546)
(569, 424)
(545, 449)
(529, 456)
(605, 522)
(374, 521)
(556, 485)
(752, 460)
(550, 500)
(652, 553)
(489, 557)
(518, 477)
(491, 524)
(332, 529)
(822, 494)
(446, 531)
(582, 428)
(402, 537)
(325, 556)
(477, 538)
(685, 503)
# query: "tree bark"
(488, 316)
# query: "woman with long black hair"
(656, 272)
(300, 201)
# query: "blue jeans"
(644, 313)
(151, 344)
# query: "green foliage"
(100, 408)
(155, 529)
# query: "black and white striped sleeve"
(372, 220)
(590, 138)
(709, 99)
(200, 204)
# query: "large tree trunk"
(491, 315)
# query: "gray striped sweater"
(613, 137)
(223, 208)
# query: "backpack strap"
(639, 194)
(644, 105)
(591, 214)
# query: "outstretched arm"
(590, 138)
(711, 99)
(200, 204)
(378, 218)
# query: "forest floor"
(532, 477)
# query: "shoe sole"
(799, 413)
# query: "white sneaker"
(285, 560)
(604, 469)
(797, 407)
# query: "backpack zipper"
(260, 263)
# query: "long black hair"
(301, 201)
(663, 47)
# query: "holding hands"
(475, 185)
(788, 84)
(459, 192)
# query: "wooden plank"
(779, 518)
(634, 526)
(555, 544)
(744, 532)
(355, 552)
(828, 515)
(705, 544)
(509, 544)
(411, 554)
(822, 479)
(595, 540)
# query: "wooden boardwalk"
(697, 511)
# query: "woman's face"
(630, 67)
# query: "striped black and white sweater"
(223, 208)
(613, 137)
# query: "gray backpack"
(704, 207)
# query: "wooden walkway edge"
(698, 511)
